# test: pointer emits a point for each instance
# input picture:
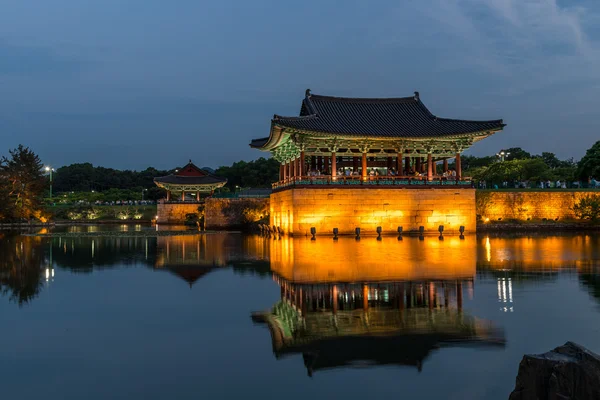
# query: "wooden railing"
(387, 181)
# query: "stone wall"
(175, 213)
(297, 210)
(522, 205)
(229, 213)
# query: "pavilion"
(340, 146)
(374, 139)
(189, 180)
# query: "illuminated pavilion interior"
(189, 180)
(367, 139)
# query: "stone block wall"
(297, 210)
(175, 213)
(229, 213)
(522, 205)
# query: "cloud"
(26, 61)
(532, 44)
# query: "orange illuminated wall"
(175, 213)
(297, 210)
(523, 204)
(301, 260)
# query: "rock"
(567, 372)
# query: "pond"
(227, 315)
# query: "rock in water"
(568, 372)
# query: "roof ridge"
(491, 121)
(298, 118)
(366, 99)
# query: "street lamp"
(50, 170)
(143, 190)
(502, 155)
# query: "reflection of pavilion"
(193, 256)
(379, 310)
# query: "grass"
(108, 213)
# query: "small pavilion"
(390, 141)
(189, 180)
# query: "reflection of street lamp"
(50, 170)
(502, 155)
(143, 190)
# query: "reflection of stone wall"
(175, 213)
(297, 210)
(522, 204)
(229, 213)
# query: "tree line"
(24, 184)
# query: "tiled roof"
(405, 117)
(190, 180)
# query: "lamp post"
(50, 170)
(502, 155)
(143, 190)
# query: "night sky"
(138, 83)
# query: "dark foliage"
(589, 166)
(22, 185)
(259, 173)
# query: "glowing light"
(488, 249)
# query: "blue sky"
(134, 83)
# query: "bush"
(588, 207)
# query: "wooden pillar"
(183, 195)
(429, 166)
(445, 165)
(407, 166)
(333, 165)
(431, 292)
(401, 297)
(302, 164)
(294, 169)
(423, 165)
(197, 196)
(458, 167)
(364, 166)
(354, 164)
(418, 164)
(365, 297)
(326, 164)
(334, 298)
(399, 164)
(168, 195)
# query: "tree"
(258, 173)
(25, 183)
(589, 165)
(588, 207)
(517, 153)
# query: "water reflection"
(26, 262)
(348, 303)
(22, 265)
(192, 257)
